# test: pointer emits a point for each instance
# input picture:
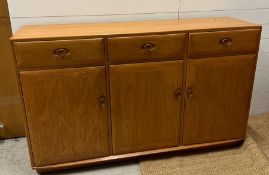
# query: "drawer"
(223, 42)
(132, 49)
(59, 53)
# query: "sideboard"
(99, 93)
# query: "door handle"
(102, 102)
(178, 94)
(189, 92)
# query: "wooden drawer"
(159, 47)
(58, 53)
(223, 42)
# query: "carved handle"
(102, 102)
(189, 92)
(178, 94)
(61, 52)
(226, 41)
(150, 47)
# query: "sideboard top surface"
(58, 31)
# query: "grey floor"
(14, 160)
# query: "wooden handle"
(226, 41)
(61, 52)
(178, 93)
(150, 47)
(102, 102)
(189, 92)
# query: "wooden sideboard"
(96, 93)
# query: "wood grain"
(130, 49)
(218, 109)
(65, 120)
(40, 53)
(208, 43)
(145, 113)
(38, 32)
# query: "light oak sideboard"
(98, 93)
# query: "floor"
(14, 160)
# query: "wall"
(81, 11)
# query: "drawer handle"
(189, 92)
(102, 102)
(61, 52)
(226, 41)
(150, 47)
(178, 94)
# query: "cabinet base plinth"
(137, 155)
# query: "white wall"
(83, 11)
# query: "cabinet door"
(146, 105)
(218, 98)
(66, 114)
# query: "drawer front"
(223, 42)
(59, 53)
(159, 47)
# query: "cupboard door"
(146, 105)
(66, 114)
(218, 98)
